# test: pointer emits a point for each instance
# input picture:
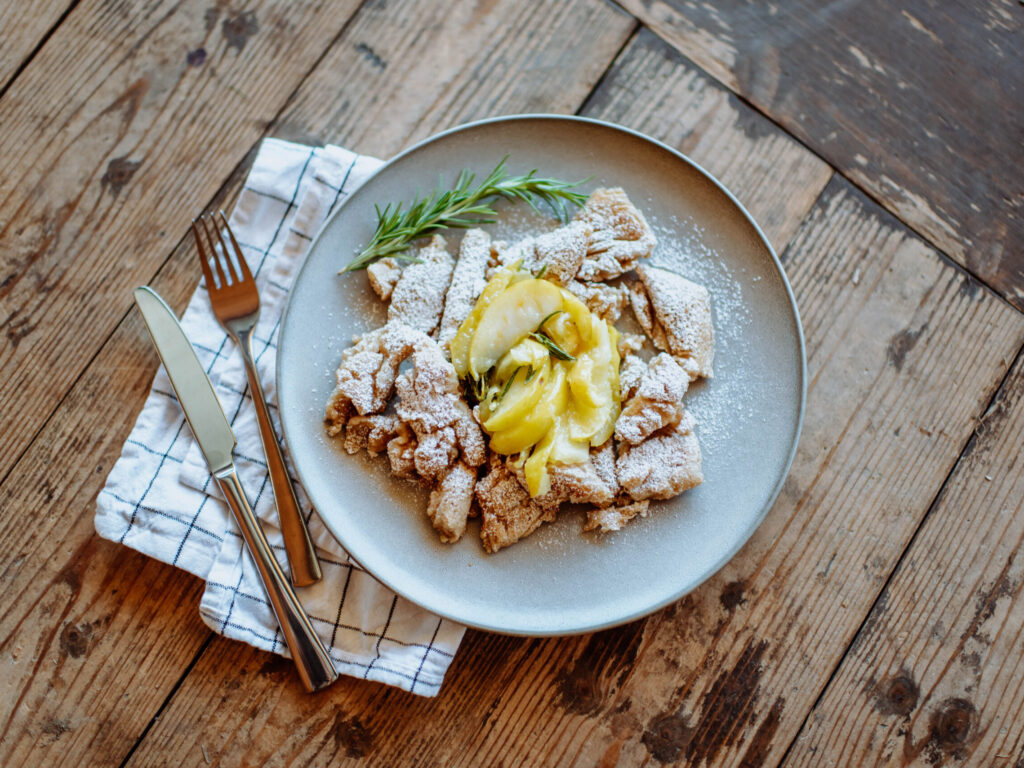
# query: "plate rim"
(758, 519)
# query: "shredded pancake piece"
(450, 502)
(402, 453)
(370, 433)
(663, 465)
(630, 375)
(521, 252)
(608, 519)
(629, 343)
(507, 511)
(605, 301)
(383, 275)
(561, 252)
(467, 283)
(591, 482)
(657, 403)
(621, 235)
(676, 313)
(366, 375)
(418, 297)
(431, 403)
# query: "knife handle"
(308, 652)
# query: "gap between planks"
(910, 544)
(588, 98)
(811, 150)
(222, 193)
(37, 47)
(170, 695)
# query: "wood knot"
(74, 640)
(733, 595)
(276, 668)
(901, 344)
(667, 736)
(352, 735)
(239, 28)
(56, 727)
(952, 723)
(901, 695)
(119, 172)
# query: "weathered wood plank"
(119, 126)
(936, 674)
(510, 687)
(411, 72)
(92, 635)
(917, 102)
(654, 90)
(48, 527)
(727, 675)
(23, 26)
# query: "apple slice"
(520, 398)
(460, 343)
(509, 318)
(536, 424)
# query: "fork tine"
(225, 253)
(204, 257)
(239, 256)
(217, 261)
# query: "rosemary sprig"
(462, 206)
(553, 348)
(548, 317)
(508, 385)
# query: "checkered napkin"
(160, 498)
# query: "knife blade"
(191, 384)
(213, 433)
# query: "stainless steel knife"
(213, 433)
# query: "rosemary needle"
(462, 206)
(553, 348)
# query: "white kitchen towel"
(159, 498)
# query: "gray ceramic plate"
(559, 580)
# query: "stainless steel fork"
(236, 303)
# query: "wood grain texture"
(653, 89)
(904, 351)
(92, 634)
(729, 677)
(918, 102)
(23, 26)
(411, 71)
(728, 673)
(115, 132)
(936, 675)
(134, 620)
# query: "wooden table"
(876, 616)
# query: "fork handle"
(305, 567)
(308, 652)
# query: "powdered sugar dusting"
(716, 403)
(719, 402)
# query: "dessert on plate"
(502, 383)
